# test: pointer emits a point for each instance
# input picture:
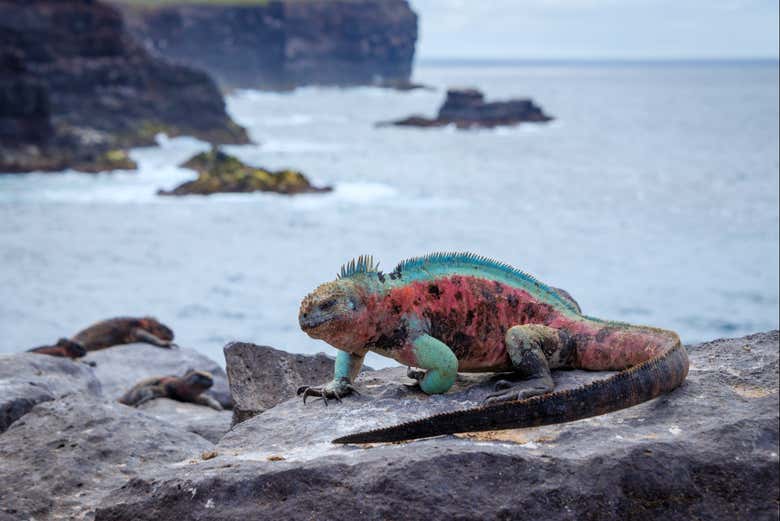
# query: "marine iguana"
(64, 347)
(125, 330)
(458, 312)
(187, 388)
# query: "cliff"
(76, 90)
(281, 44)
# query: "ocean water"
(652, 198)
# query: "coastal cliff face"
(76, 90)
(281, 44)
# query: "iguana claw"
(335, 390)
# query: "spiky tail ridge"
(627, 388)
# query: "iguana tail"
(645, 381)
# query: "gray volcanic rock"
(198, 419)
(708, 450)
(467, 108)
(261, 376)
(64, 456)
(120, 367)
(27, 379)
(281, 44)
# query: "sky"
(597, 29)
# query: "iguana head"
(200, 380)
(71, 347)
(156, 328)
(333, 312)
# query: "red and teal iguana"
(451, 312)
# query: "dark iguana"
(451, 312)
(64, 347)
(187, 388)
(125, 330)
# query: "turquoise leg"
(439, 360)
(345, 371)
(347, 366)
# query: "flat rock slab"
(120, 367)
(64, 456)
(189, 417)
(27, 379)
(261, 377)
(708, 450)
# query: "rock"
(64, 456)
(76, 90)
(27, 379)
(467, 108)
(708, 450)
(339, 42)
(221, 173)
(201, 420)
(120, 367)
(261, 377)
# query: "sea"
(652, 198)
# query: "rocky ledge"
(708, 450)
(221, 173)
(76, 90)
(467, 108)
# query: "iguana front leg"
(141, 335)
(208, 401)
(346, 370)
(440, 362)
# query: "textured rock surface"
(120, 367)
(261, 377)
(467, 108)
(283, 44)
(709, 450)
(221, 173)
(189, 417)
(75, 90)
(64, 456)
(27, 379)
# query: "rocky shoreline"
(707, 450)
(76, 91)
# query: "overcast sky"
(597, 29)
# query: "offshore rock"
(28, 379)
(76, 90)
(63, 457)
(221, 173)
(708, 450)
(467, 108)
(282, 44)
(261, 377)
(120, 367)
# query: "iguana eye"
(327, 305)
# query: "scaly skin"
(446, 313)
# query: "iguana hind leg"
(532, 349)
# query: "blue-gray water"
(652, 198)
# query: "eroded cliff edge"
(76, 90)
(282, 44)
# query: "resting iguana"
(458, 312)
(187, 388)
(125, 330)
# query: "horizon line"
(541, 61)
